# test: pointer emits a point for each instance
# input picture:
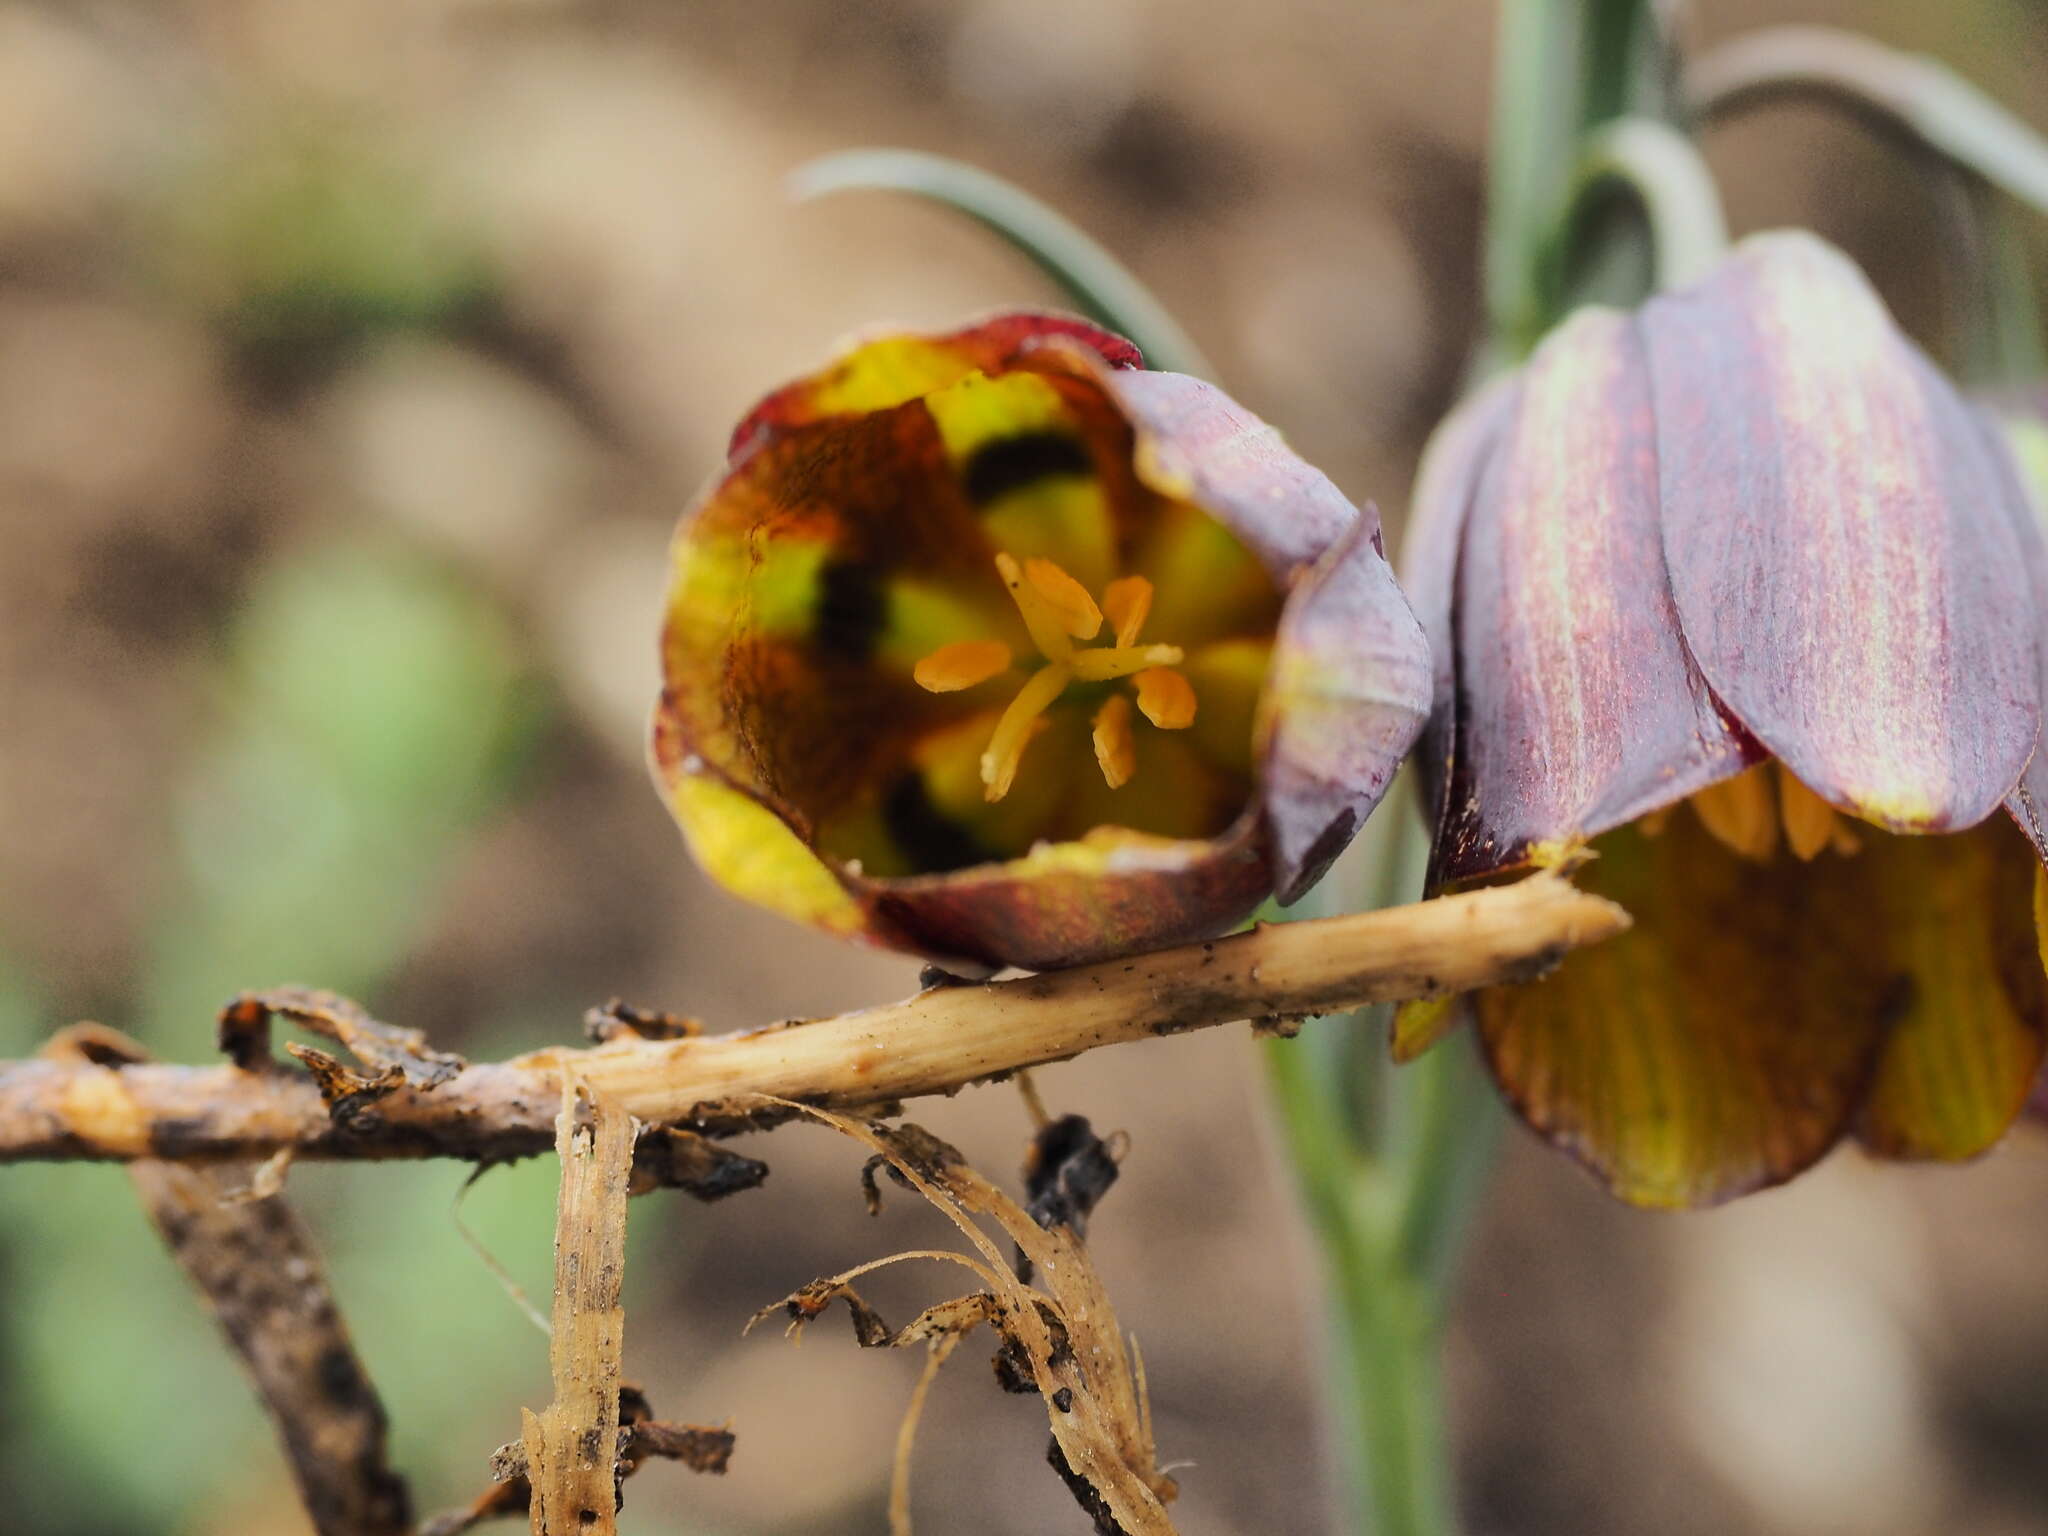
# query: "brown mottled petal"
(1111, 892)
(1346, 694)
(1723, 1043)
(780, 600)
(1841, 540)
(889, 369)
(1578, 708)
(1456, 454)
(1967, 1043)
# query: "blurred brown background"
(354, 362)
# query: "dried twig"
(572, 1445)
(254, 1262)
(642, 1438)
(935, 1042)
(1059, 1337)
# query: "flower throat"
(1057, 612)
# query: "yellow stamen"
(1167, 698)
(1065, 596)
(963, 664)
(1127, 602)
(1116, 750)
(1740, 812)
(1101, 663)
(1048, 633)
(1057, 610)
(1811, 824)
(1014, 731)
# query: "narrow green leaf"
(1663, 172)
(1098, 285)
(1904, 93)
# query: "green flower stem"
(1658, 167)
(1391, 1162)
(2009, 346)
(1099, 285)
(1387, 1230)
(1534, 141)
(1561, 68)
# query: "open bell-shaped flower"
(1739, 592)
(996, 647)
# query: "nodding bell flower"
(1739, 594)
(995, 647)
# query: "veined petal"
(745, 846)
(1457, 453)
(1578, 708)
(1196, 444)
(2022, 431)
(1346, 695)
(1349, 686)
(1841, 541)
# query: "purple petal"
(1578, 708)
(1349, 687)
(1841, 540)
(1346, 697)
(1451, 463)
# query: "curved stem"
(1980, 149)
(1099, 285)
(1901, 93)
(1535, 125)
(1663, 172)
(1563, 67)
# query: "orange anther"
(962, 664)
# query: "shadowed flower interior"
(1791, 978)
(920, 587)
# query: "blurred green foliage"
(370, 714)
(303, 233)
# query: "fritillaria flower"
(996, 647)
(1739, 592)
